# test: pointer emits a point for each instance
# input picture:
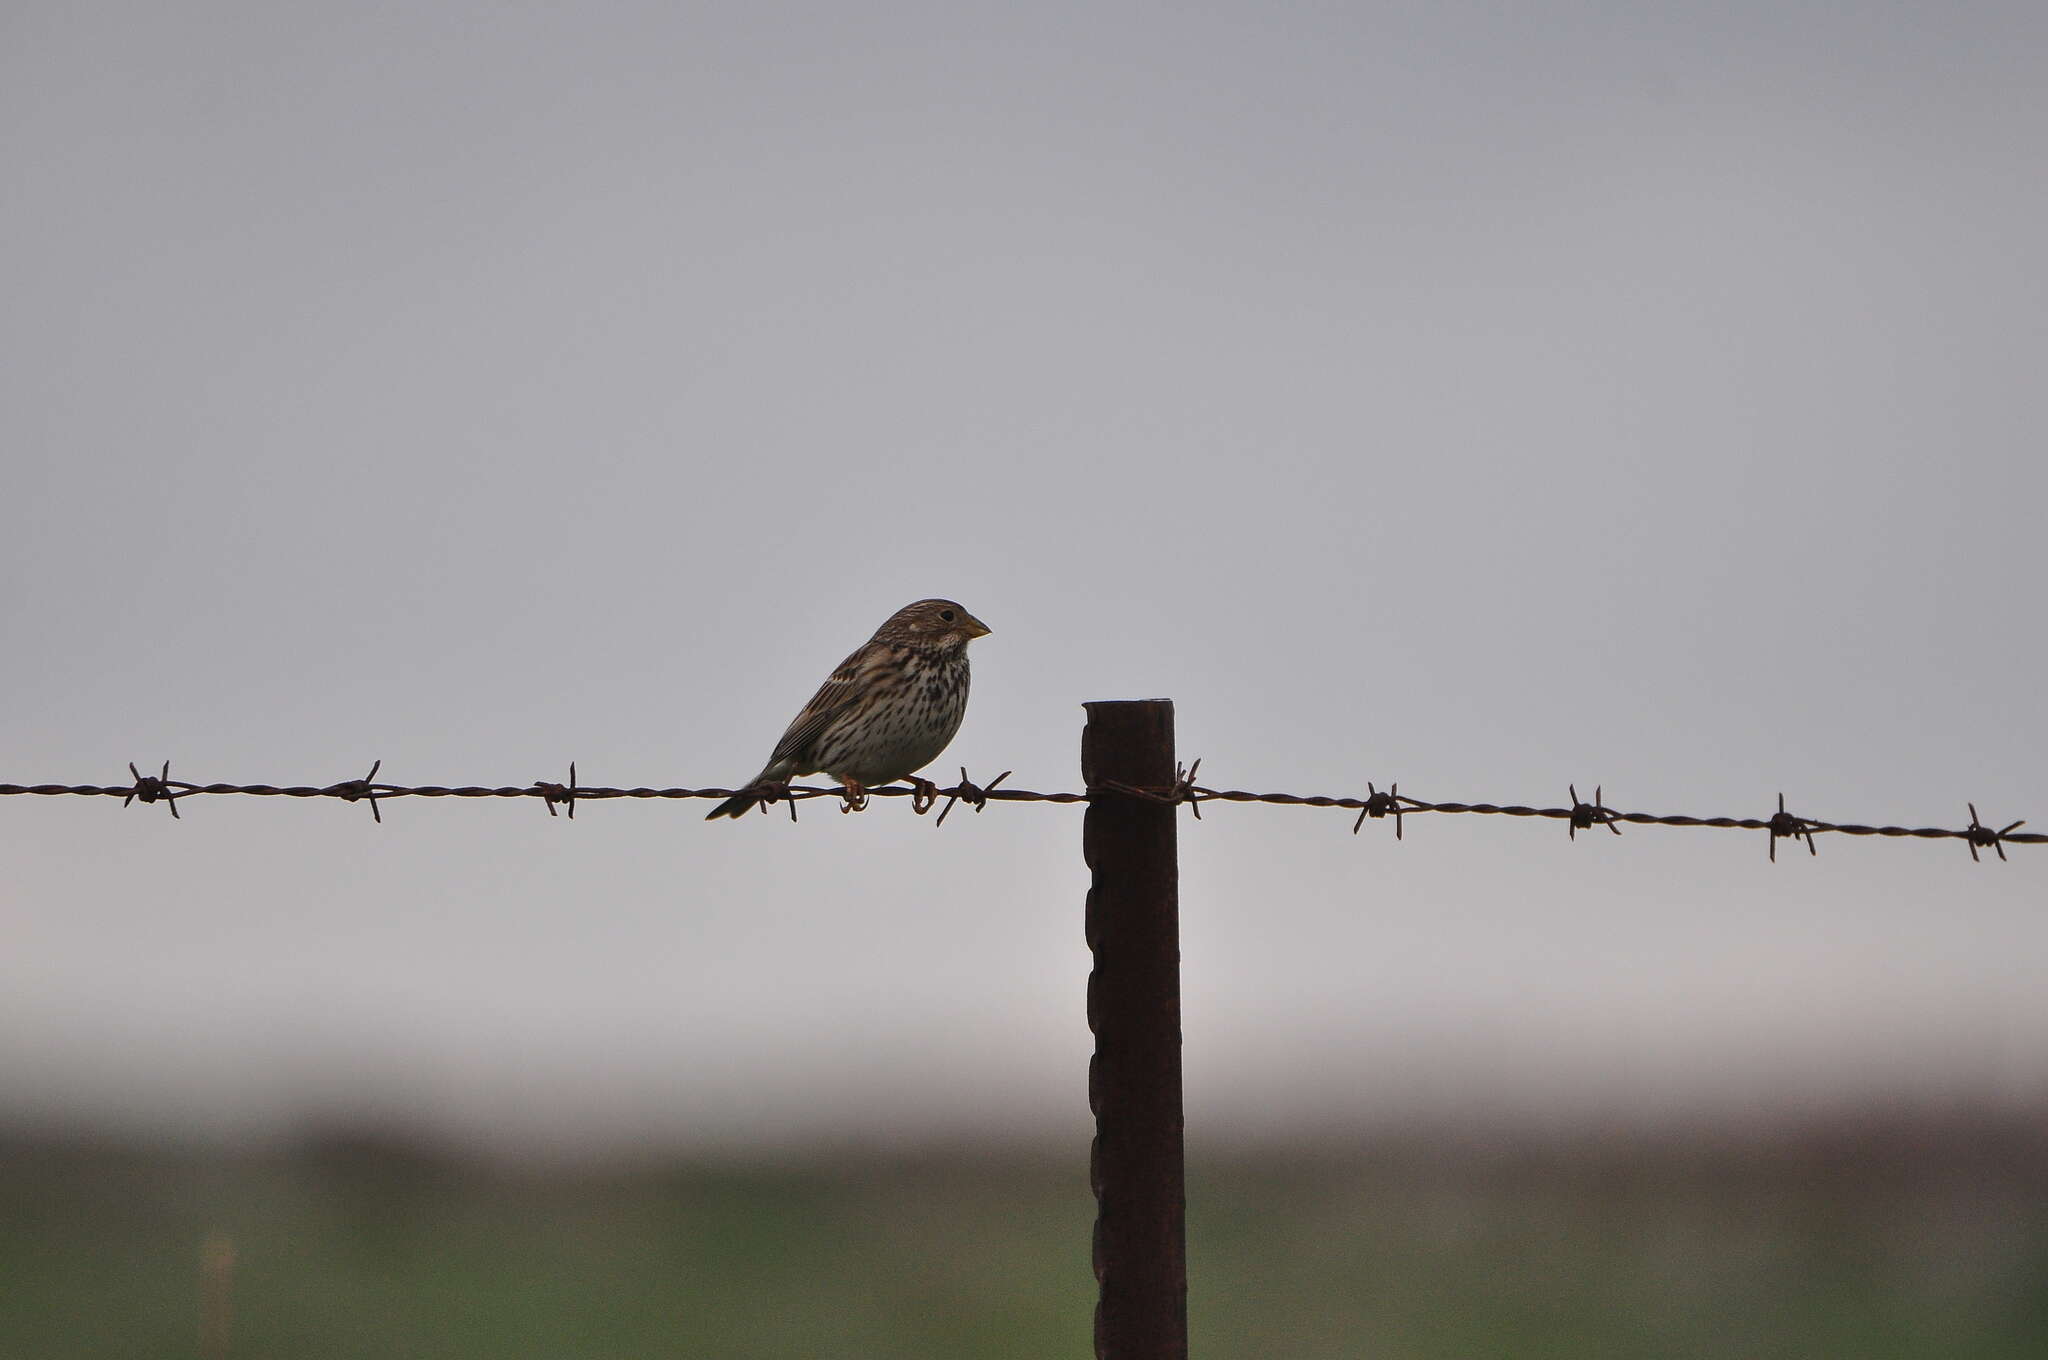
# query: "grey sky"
(1485, 398)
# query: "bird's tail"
(739, 805)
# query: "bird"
(887, 712)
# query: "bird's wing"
(833, 698)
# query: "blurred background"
(1482, 399)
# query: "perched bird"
(886, 712)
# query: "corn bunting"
(886, 712)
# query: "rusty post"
(1134, 1080)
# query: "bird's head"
(930, 623)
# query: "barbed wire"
(1377, 804)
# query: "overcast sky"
(1487, 398)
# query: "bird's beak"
(975, 627)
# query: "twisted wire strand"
(1579, 815)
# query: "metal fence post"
(1134, 1079)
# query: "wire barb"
(1379, 804)
(970, 793)
(1979, 834)
(1184, 789)
(778, 790)
(153, 788)
(556, 793)
(354, 790)
(1595, 813)
(1785, 826)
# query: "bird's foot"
(923, 793)
(855, 798)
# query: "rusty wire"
(1579, 815)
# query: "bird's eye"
(946, 614)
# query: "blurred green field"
(1901, 1242)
